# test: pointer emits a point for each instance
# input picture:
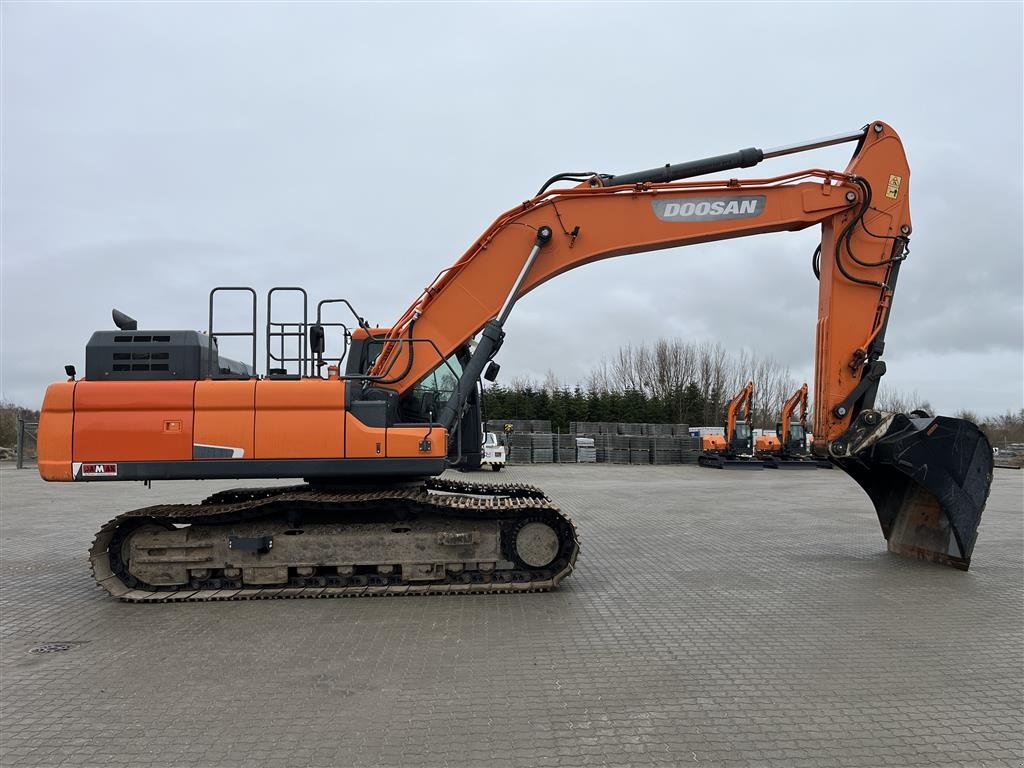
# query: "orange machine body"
(713, 443)
(767, 444)
(217, 428)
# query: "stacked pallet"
(566, 448)
(690, 448)
(498, 425)
(520, 449)
(665, 449)
(640, 450)
(586, 453)
(618, 449)
(590, 428)
(543, 451)
(598, 441)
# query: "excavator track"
(492, 539)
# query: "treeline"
(562, 406)
(9, 415)
(1001, 431)
(681, 382)
(667, 381)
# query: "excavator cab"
(794, 443)
(742, 441)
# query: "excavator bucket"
(929, 479)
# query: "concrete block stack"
(618, 449)
(597, 442)
(689, 449)
(566, 448)
(665, 449)
(586, 453)
(543, 447)
(639, 449)
(520, 448)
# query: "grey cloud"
(152, 151)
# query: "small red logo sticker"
(94, 470)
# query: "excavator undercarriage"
(317, 540)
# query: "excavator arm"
(928, 477)
(743, 403)
(797, 399)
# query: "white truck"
(494, 452)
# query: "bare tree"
(551, 382)
(899, 401)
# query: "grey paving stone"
(715, 619)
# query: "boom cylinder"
(490, 340)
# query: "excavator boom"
(864, 215)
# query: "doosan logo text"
(708, 209)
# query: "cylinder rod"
(792, 149)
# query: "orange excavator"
(734, 449)
(792, 451)
(370, 428)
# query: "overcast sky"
(152, 151)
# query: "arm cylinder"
(744, 158)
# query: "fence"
(27, 444)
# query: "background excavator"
(790, 449)
(400, 404)
(734, 449)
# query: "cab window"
(425, 400)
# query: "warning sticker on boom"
(893, 188)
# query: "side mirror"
(492, 371)
(316, 339)
(70, 371)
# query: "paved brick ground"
(716, 619)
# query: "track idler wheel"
(536, 543)
(929, 479)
